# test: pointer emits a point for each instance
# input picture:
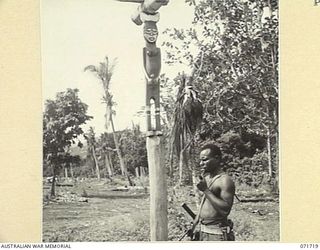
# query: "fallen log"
(123, 189)
(115, 196)
(64, 185)
(259, 200)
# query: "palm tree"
(104, 72)
(187, 118)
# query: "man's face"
(208, 162)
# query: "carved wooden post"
(147, 15)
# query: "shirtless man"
(218, 190)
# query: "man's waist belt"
(211, 229)
(216, 229)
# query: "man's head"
(210, 158)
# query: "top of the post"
(147, 7)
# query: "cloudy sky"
(77, 33)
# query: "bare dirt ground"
(117, 217)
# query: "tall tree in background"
(62, 120)
(104, 72)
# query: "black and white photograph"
(160, 120)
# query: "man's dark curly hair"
(214, 150)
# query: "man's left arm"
(223, 203)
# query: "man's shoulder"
(225, 176)
(225, 179)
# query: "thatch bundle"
(188, 114)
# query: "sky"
(77, 33)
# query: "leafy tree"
(62, 120)
(104, 73)
(134, 144)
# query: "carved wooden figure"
(152, 67)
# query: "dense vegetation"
(232, 50)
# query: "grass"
(256, 221)
(128, 219)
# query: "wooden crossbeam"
(131, 1)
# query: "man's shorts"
(216, 233)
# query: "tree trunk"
(107, 162)
(183, 165)
(129, 180)
(269, 153)
(194, 165)
(171, 162)
(121, 160)
(71, 171)
(195, 189)
(181, 160)
(137, 171)
(96, 163)
(53, 187)
(66, 172)
(53, 184)
(111, 163)
(142, 172)
(276, 161)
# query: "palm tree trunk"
(96, 163)
(111, 163)
(107, 162)
(71, 171)
(142, 172)
(193, 173)
(183, 161)
(65, 172)
(171, 162)
(276, 164)
(53, 185)
(115, 138)
(180, 167)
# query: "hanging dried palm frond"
(187, 115)
(192, 107)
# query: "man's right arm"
(223, 203)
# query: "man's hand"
(202, 184)
(189, 233)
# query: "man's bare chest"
(214, 186)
